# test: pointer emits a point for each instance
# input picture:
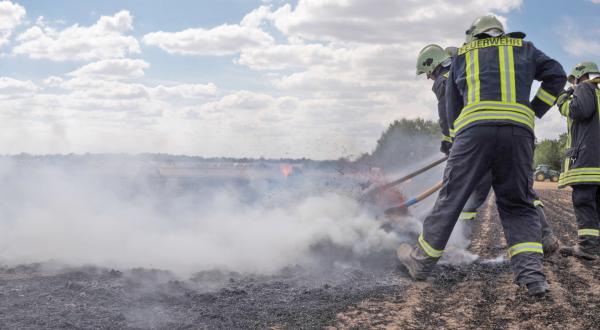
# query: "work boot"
(586, 248)
(538, 289)
(550, 245)
(418, 264)
(579, 252)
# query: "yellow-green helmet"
(581, 69)
(429, 58)
(481, 25)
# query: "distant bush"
(550, 152)
(403, 142)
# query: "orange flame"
(286, 169)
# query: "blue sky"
(318, 78)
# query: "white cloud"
(11, 15)
(113, 69)
(225, 39)
(103, 40)
(595, 1)
(387, 21)
(278, 57)
(578, 41)
(105, 89)
(331, 75)
(242, 100)
(10, 87)
(185, 91)
(53, 81)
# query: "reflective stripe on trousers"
(525, 247)
(428, 249)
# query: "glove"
(564, 96)
(445, 147)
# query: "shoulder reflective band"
(546, 97)
(467, 215)
(564, 108)
(588, 232)
(507, 74)
(495, 111)
(428, 249)
(446, 74)
(490, 42)
(446, 138)
(472, 76)
(525, 247)
(537, 203)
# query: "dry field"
(478, 296)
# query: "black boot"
(418, 264)
(587, 248)
(538, 289)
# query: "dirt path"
(483, 295)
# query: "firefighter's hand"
(445, 147)
(564, 96)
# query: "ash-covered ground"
(339, 291)
(36, 297)
(280, 254)
(111, 246)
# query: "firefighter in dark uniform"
(435, 62)
(492, 121)
(581, 168)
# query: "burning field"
(86, 251)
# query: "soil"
(335, 294)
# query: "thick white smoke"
(118, 213)
(110, 215)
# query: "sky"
(244, 78)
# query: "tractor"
(543, 172)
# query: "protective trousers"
(479, 195)
(477, 198)
(506, 151)
(586, 202)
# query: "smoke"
(113, 214)
(117, 212)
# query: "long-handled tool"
(401, 209)
(369, 194)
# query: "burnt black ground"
(375, 294)
(34, 297)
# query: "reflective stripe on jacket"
(582, 157)
(490, 83)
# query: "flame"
(286, 169)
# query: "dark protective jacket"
(582, 161)
(439, 89)
(490, 82)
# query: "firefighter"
(581, 168)
(435, 62)
(491, 119)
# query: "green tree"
(550, 152)
(404, 141)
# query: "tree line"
(408, 140)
